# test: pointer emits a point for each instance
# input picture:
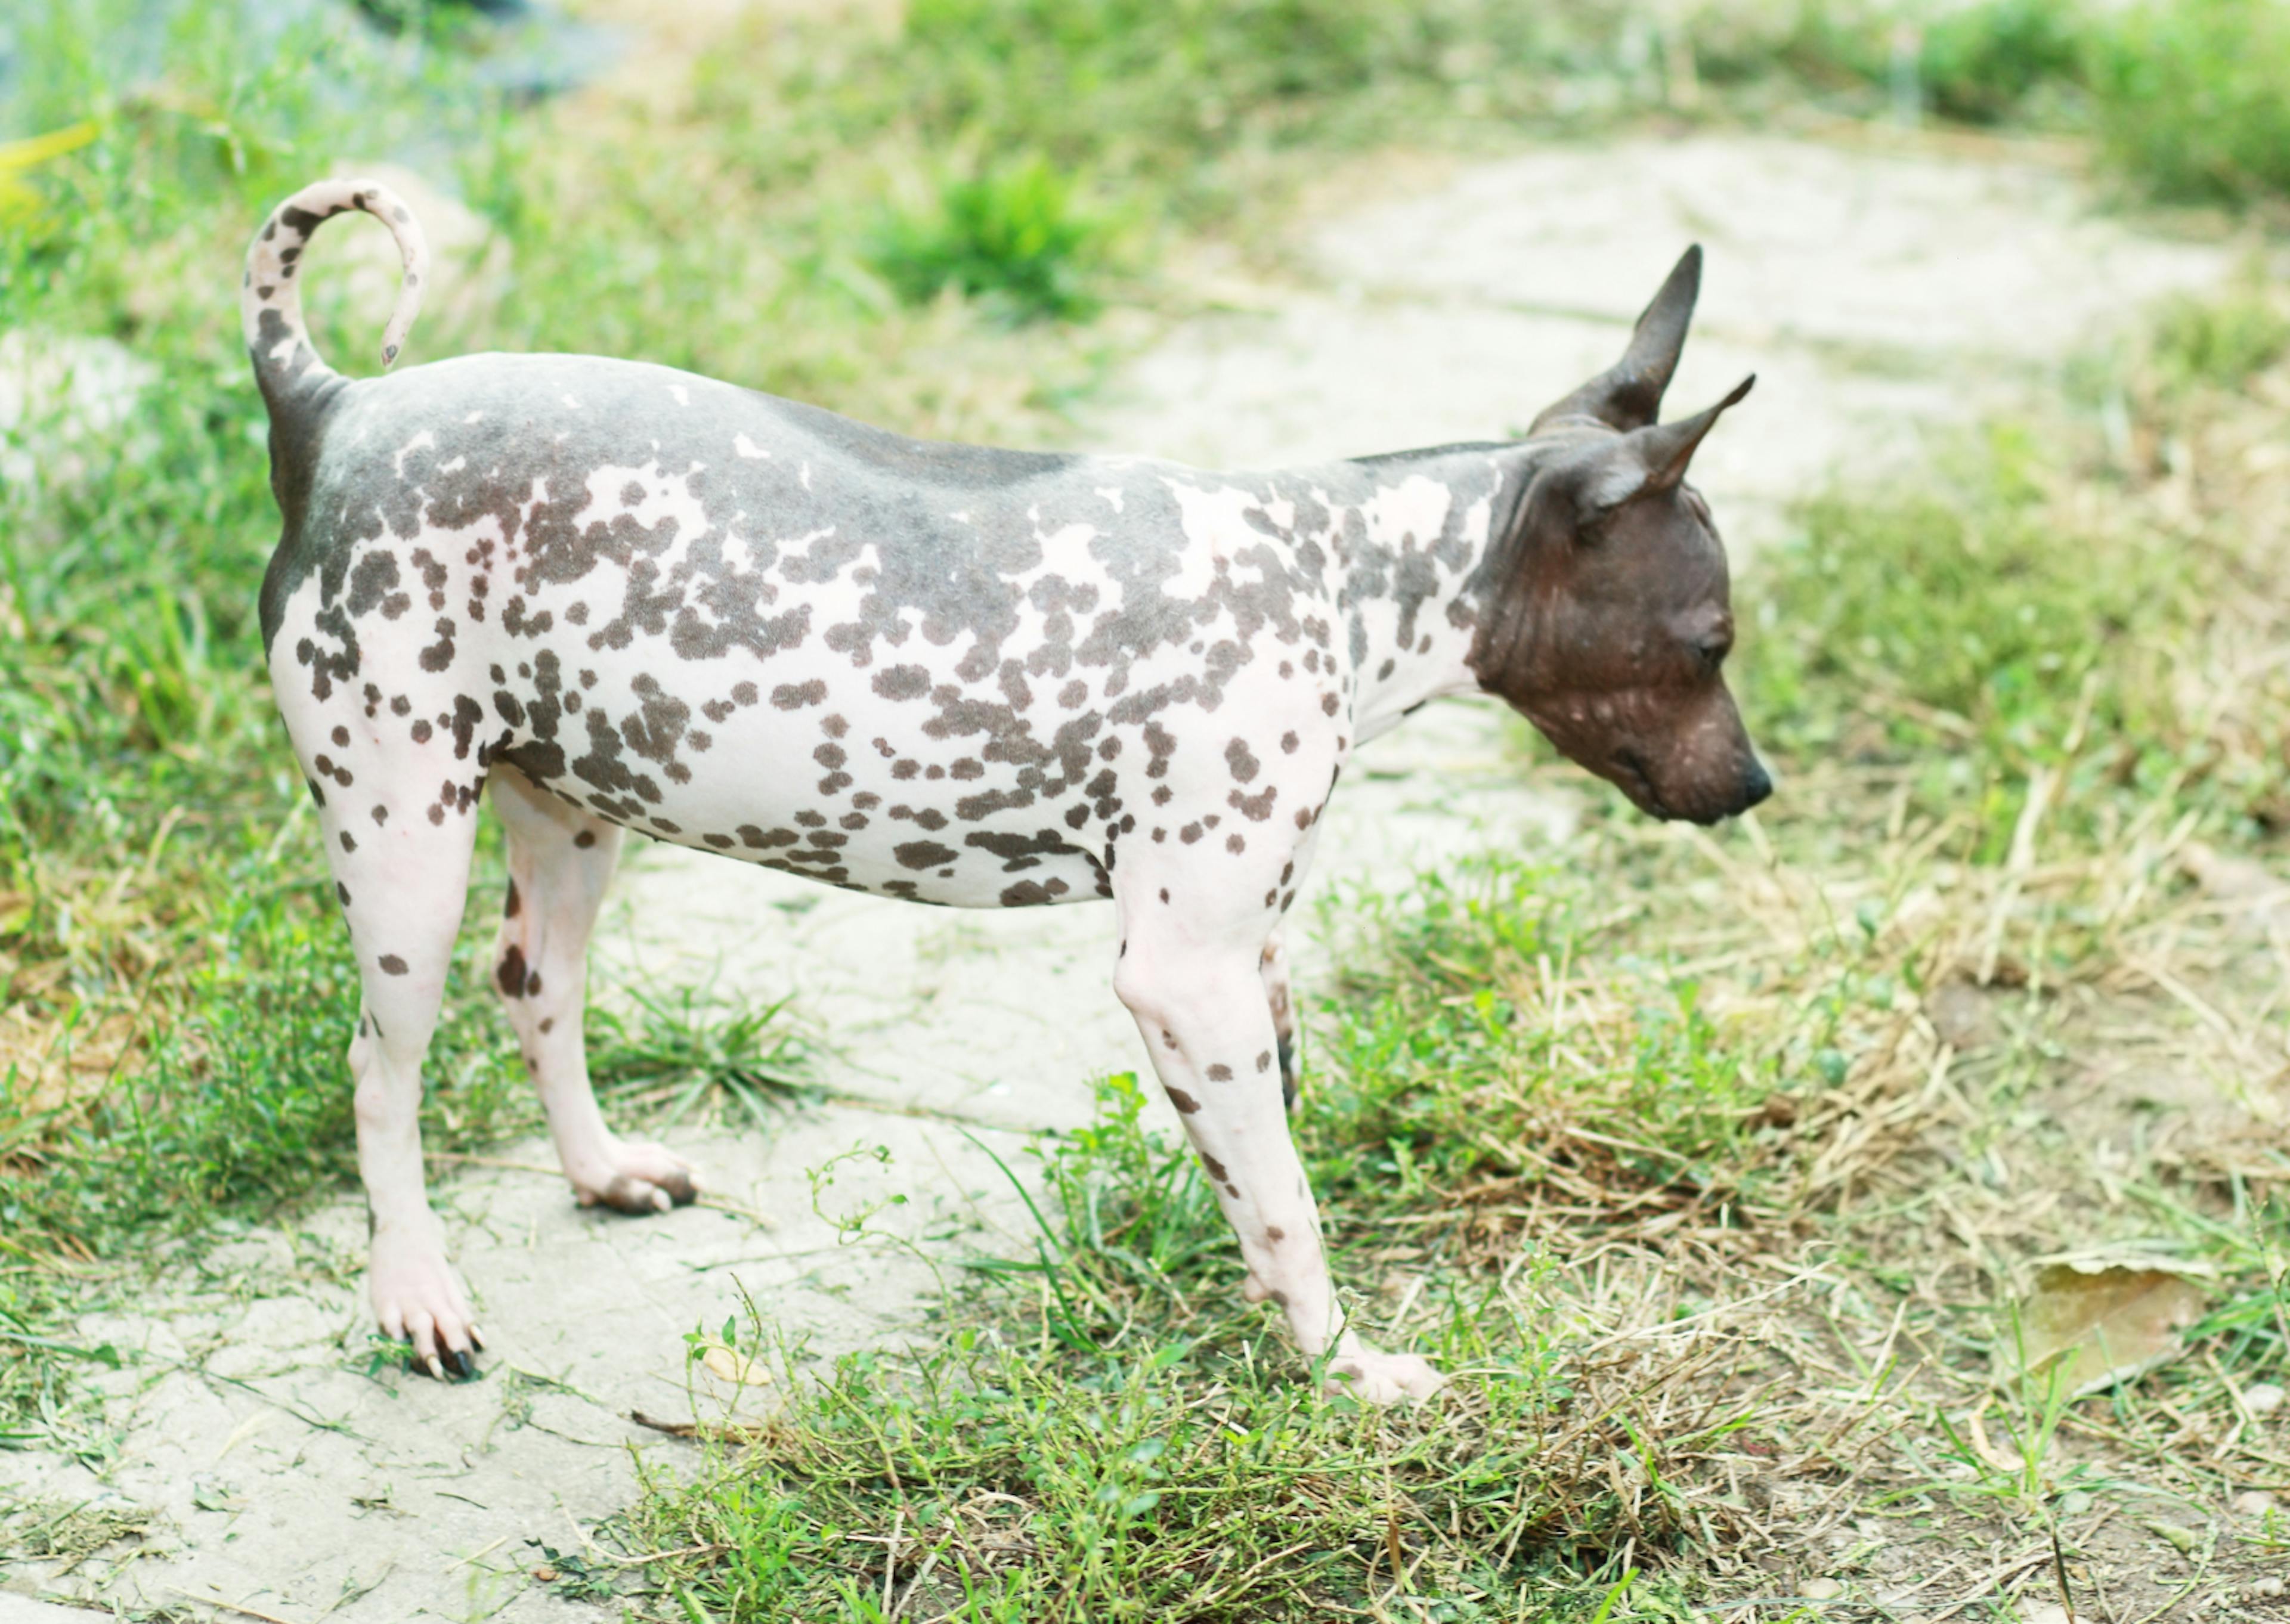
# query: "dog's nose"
(1757, 784)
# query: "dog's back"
(943, 672)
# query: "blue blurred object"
(524, 49)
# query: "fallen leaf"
(735, 1367)
(2104, 1322)
(2186, 1541)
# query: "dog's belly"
(825, 779)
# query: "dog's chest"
(947, 674)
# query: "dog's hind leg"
(560, 860)
(1281, 996)
(400, 857)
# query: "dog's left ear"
(1628, 395)
(1654, 458)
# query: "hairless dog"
(624, 597)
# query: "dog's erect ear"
(1667, 448)
(1628, 395)
(1651, 459)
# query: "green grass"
(1114, 1439)
(1538, 1147)
(2189, 102)
(2178, 95)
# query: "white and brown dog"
(625, 597)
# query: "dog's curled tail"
(270, 300)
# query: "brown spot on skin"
(1234, 844)
(1183, 1101)
(1264, 1060)
(511, 976)
(585, 839)
(391, 964)
(1168, 1038)
(1328, 703)
(533, 985)
(1280, 1297)
(1288, 742)
(349, 845)
(1220, 1073)
(513, 903)
(547, 1025)
(342, 736)
(1215, 1167)
(1275, 1234)
(1165, 893)
(342, 892)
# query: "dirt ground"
(1876, 292)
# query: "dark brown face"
(1623, 670)
(1610, 617)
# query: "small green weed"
(684, 1050)
(1018, 234)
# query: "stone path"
(1874, 294)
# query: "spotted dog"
(623, 598)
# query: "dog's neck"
(1476, 572)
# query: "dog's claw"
(435, 1370)
(477, 1338)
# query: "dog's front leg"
(1282, 999)
(1199, 1000)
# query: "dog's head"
(1610, 619)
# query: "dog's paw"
(638, 1179)
(417, 1298)
(1376, 1378)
